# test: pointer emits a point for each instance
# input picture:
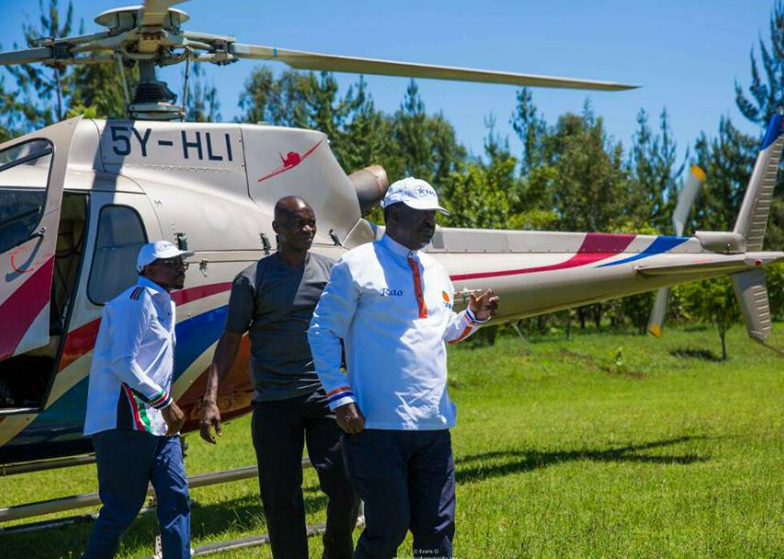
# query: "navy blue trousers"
(281, 429)
(127, 462)
(407, 481)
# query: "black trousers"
(280, 431)
(407, 480)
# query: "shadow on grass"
(528, 460)
(704, 354)
(208, 522)
(600, 364)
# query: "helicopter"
(80, 197)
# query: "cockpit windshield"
(24, 174)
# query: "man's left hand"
(484, 306)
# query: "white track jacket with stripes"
(133, 362)
(392, 307)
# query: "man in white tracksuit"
(132, 417)
(392, 306)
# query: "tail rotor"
(686, 198)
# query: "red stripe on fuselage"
(595, 247)
(79, 342)
(185, 296)
(82, 340)
(18, 312)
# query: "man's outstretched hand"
(484, 306)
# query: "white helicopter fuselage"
(112, 185)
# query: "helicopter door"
(32, 172)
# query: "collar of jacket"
(149, 284)
(396, 248)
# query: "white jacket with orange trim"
(392, 307)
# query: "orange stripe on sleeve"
(462, 337)
(339, 390)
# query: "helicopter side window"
(24, 174)
(120, 236)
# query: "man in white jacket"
(131, 415)
(392, 306)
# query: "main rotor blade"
(26, 56)
(686, 198)
(207, 37)
(154, 12)
(332, 63)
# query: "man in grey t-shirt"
(273, 300)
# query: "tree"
(97, 91)
(589, 186)
(713, 302)
(534, 204)
(727, 160)
(202, 103)
(483, 195)
(367, 134)
(653, 173)
(426, 145)
(775, 280)
(766, 98)
(531, 128)
(44, 88)
(280, 101)
(14, 114)
(45, 94)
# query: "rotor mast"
(152, 99)
(147, 36)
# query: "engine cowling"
(371, 184)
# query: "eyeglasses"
(173, 264)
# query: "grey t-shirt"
(274, 302)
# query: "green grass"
(608, 445)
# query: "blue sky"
(685, 53)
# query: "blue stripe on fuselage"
(774, 131)
(658, 246)
(201, 332)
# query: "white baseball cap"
(414, 193)
(151, 252)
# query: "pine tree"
(767, 96)
(426, 145)
(202, 104)
(483, 195)
(531, 128)
(727, 161)
(97, 91)
(653, 173)
(589, 186)
(44, 89)
(367, 137)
